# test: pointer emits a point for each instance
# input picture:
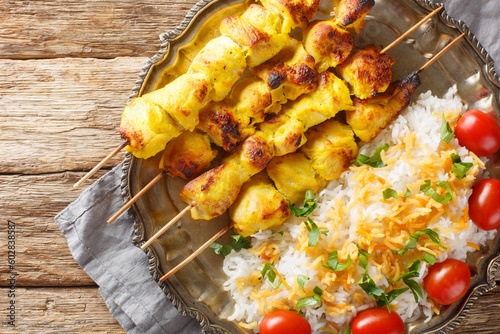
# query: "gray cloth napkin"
(106, 252)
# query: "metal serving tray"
(196, 290)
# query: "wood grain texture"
(66, 71)
(58, 310)
(60, 115)
(89, 29)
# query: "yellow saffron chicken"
(352, 13)
(259, 31)
(367, 71)
(372, 115)
(331, 147)
(259, 206)
(187, 155)
(328, 43)
(293, 175)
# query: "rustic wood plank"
(98, 29)
(58, 310)
(80, 310)
(62, 115)
(42, 254)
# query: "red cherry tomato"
(447, 281)
(484, 204)
(478, 132)
(284, 322)
(377, 321)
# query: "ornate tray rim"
(166, 40)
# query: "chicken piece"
(215, 190)
(290, 73)
(288, 127)
(295, 13)
(367, 71)
(230, 121)
(372, 115)
(287, 133)
(259, 206)
(253, 99)
(223, 124)
(182, 98)
(352, 13)
(331, 96)
(147, 128)
(328, 43)
(331, 148)
(293, 175)
(223, 62)
(187, 155)
(259, 31)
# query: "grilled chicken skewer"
(329, 151)
(212, 200)
(411, 81)
(303, 115)
(151, 121)
(297, 75)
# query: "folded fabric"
(106, 253)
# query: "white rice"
(418, 117)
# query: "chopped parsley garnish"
(446, 133)
(407, 193)
(333, 262)
(280, 232)
(238, 243)
(381, 297)
(314, 232)
(412, 241)
(301, 280)
(460, 168)
(413, 272)
(388, 193)
(375, 160)
(310, 203)
(429, 191)
(369, 286)
(271, 271)
(311, 300)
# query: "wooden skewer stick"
(100, 164)
(412, 29)
(136, 197)
(169, 224)
(440, 53)
(196, 253)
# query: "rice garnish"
(356, 216)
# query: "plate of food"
(347, 173)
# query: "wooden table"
(66, 71)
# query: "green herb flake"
(413, 240)
(238, 243)
(310, 203)
(311, 300)
(429, 191)
(429, 258)
(446, 133)
(363, 257)
(270, 271)
(460, 168)
(313, 230)
(373, 291)
(407, 193)
(388, 193)
(301, 280)
(348, 330)
(333, 262)
(375, 160)
(282, 235)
